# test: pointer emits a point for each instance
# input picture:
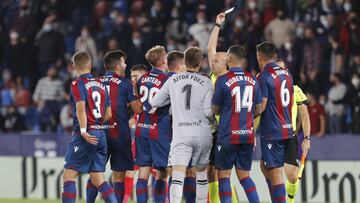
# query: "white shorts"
(196, 150)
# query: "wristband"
(307, 137)
(82, 130)
(217, 24)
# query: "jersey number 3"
(97, 101)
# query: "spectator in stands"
(121, 30)
(66, 113)
(24, 22)
(47, 96)
(136, 52)
(337, 59)
(8, 89)
(312, 52)
(317, 116)
(355, 67)
(22, 95)
(280, 29)
(353, 100)
(350, 35)
(177, 27)
(85, 42)
(200, 30)
(13, 53)
(13, 120)
(50, 44)
(334, 107)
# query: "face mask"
(252, 5)
(84, 34)
(239, 24)
(202, 21)
(6, 75)
(47, 27)
(355, 81)
(324, 21)
(347, 7)
(299, 31)
(137, 42)
(14, 35)
(287, 45)
(281, 17)
(170, 48)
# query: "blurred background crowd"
(318, 39)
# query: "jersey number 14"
(246, 101)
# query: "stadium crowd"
(318, 40)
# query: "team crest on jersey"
(76, 148)
(219, 147)
(269, 146)
(74, 83)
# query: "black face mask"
(281, 17)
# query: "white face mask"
(252, 5)
(355, 81)
(239, 23)
(299, 31)
(170, 47)
(347, 7)
(136, 42)
(202, 21)
(287, 45)
(47, 27)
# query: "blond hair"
(81, 60)
(155, 55)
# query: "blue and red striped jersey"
(93, 92)
(236, 93)
(121, 93)
(152, 123)
(276, 85)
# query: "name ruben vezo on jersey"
(238, 78)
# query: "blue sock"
(250, 190)
(159, 191)
(69, 193)
(119, 189)
(225, 192)
(141, 191)
(268, 182)
(91, 192)
(107, 193)
(190, 190)
(279, 193)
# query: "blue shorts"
(274, 152)
(228, 155)
(151, 152)
(84, 157)
(120, 154)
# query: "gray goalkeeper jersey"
(190, 95)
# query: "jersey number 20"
(148, 93)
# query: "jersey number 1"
(187, 89)
(247, 98)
